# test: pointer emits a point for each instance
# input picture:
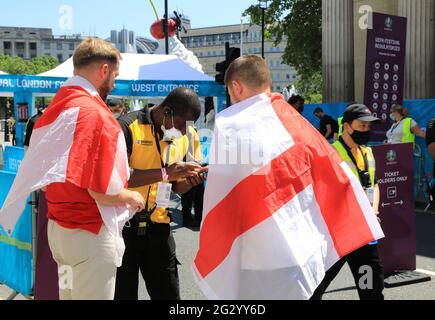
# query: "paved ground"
(342, 288)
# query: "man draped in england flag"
(77, 153)
(281, 207)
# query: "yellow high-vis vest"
(340, 126)
(346, 158)
(407, 135)
(144, 154)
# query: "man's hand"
(136, 201)
(377, 215)
(196, 179)
(132, 198)
(182, 170)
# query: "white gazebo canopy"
(142, 67)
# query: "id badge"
(370, 192)
(163, 198)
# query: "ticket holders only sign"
(398, 250)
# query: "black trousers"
(14, 138)
(154, 255)
(367, 256)
(195, 198)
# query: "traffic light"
(231, 54)
(221, 67)
(234, 54)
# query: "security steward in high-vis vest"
(195, 197)
(156, 145)
(340, 128)
(365, 263)
(404, 128)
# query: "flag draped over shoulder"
(280, 207)
(77, 140)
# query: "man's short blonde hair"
(93, 50)
(251, 70)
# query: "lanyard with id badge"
(365, 179)
(163, 195)
(164, 188)
(364, 175)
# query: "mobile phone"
(204, 165)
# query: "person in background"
(31, 123)
(328, 126)
(430, 142)
(12, 129)
(195, 197)
(404, 128)
(340, 122)
(209, 113)
(351, 148)
(297, 102)
(117, 107)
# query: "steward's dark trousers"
(152, 254)
(194, 197)
(361, 260)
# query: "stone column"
(420, 48)
(338, 51)
(26, 50)
(13, 48)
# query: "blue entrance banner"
(16, 251)
(35, 84)
(12, 158)
(24, 87)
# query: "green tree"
(17, 65)
(300, 23)
(310, 88)
(44, 63)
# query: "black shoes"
(190, 223)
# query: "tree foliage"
(310, 88)
(299, 22)
(17, 65)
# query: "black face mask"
(361, 138)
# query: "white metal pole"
(241, 36)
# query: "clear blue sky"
(104, 15)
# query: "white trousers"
(86, 262)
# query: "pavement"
(342, 288)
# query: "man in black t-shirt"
(328, 126)
(297, 102)
(430, 140)
(31, 123)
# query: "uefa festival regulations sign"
(385, 68)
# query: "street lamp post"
(263, 7)
(166, 27)
(241, 36)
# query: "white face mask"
(172, 134)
